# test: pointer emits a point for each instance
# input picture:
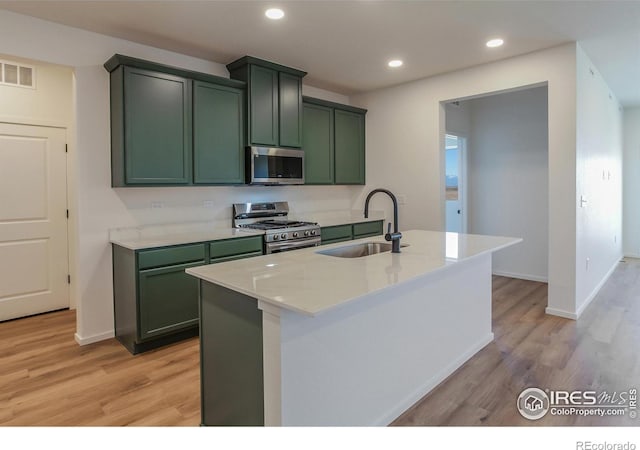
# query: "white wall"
(599, 180)
(631, 207)
(405, 128)
(50, 103)
(458, 118)
(507, 178)
(98, 207)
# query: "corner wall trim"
(595, 291)
(95, 338)
(588, 300)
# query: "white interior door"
(33, 223)
(454, 180)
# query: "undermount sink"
(358, 250)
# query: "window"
(15, 74)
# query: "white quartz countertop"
(311, 283)
(152, 236)
(188, 237)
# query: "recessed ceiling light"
(395, 63)
(495, 43)
(274, 13)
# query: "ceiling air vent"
(19, 75)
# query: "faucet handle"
(389, 228)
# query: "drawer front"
(234, 257)
(170, 256)
(238, 246)
(366, 229)
(340, 232)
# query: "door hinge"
(68, 279)
(67, 213)
(66, 148)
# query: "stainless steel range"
(281, 234)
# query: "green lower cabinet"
(338, 233)
(367, 229)
(168, 300)
(155, 301)
(341, 233)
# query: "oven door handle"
(294, 244)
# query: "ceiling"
(345, 45)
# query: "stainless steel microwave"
(272, 165)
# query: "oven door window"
(268, 166)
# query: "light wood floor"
(47, 379)
(601, 351)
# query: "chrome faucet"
(396, 235)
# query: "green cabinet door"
(349, 147)
(263, 106)
(290, 113)
(317, 143)
(168, 300)
(157, 124)
(218, 128)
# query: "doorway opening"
(455, 170)
(497, 175)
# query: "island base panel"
(232, 391)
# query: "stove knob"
(313, 232)
(306, 233)
(275, 237)
(283, 236)
(295, 235)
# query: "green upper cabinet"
(349, 147)
(158, 111)
(157, 127)
(218, 134)
(263, 120)
(317, 142)
(333, 142)
(274, 102)
(290, 102)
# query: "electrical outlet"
(402, 199)
(587, 264)
(157, 205)
(615, 238)
(208, 203)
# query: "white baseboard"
(95, 338)
(632, 255)
(521, 276)
(434, 381)
(561, 313)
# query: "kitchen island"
(306, 338)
